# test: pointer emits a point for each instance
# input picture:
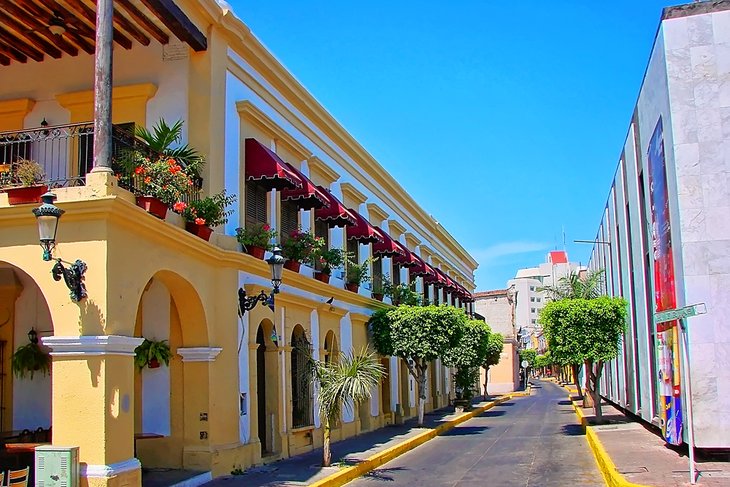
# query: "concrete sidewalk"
(306, 469)
(635, 451)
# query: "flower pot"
(292, 265)
(378, 296)
(25, 194)
(202, 231)
(153, 206)
(352, 286)
(153, 363)
(255, 251)
(321, 276)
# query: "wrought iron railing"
(66, 154)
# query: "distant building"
(498, 309)
(529, 299)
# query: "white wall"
(156, 382)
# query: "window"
(532, 299)
(289, 219)
(300, 380)
(255, 204)
(532, 321)
(539, 299)
(532, 288)
(532, 310)
(377, 271)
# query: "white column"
(156, 382)
(314, 320)
(244, 388)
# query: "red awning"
(421, 268)
(406, 259)
(265, 167)
(388, 247)
(362, 231)
(308, 196)
(335, 214)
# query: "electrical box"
(56, 466)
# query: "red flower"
(138, 170)
(171, 161)
(266, 228)
(180, 206)
(200, 221)
(148, 180)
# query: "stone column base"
(121, 474)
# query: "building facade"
(232, 395)
(497, 307)
(664, 235)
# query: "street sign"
(524, 364)
(680, 313)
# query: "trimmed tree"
(469, 354)
(419, 335)
(587, 330)
(494, 353)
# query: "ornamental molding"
(111, 470)
(92, 345)
(199, 354)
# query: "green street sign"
(680, 313)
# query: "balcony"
(66, 153)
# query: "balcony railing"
(66, 153)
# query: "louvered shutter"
(255, 204)
(289, 219)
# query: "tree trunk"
(588, 396)
(575, 370)
(486, 380)
(597, 409)
(421, 397)
(326, 450)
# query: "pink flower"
(266, 228)
(200, 221)
(180, 206)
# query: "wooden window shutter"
(289, 219)
(396, 275)
(255, 204)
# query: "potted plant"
(27, 174)
(151, 353)
(381, 285)
(300, 246)
(356, 274)
(256, 238)
(327, 260)
(204, 214)
(29, 359)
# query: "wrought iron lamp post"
(247, 303)
(47, 215)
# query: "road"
(528, 441)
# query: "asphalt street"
(528, 441)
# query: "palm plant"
(575, 286)
(345, 381)
(161, 139)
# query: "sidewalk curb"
(608, 469)
(348, 474)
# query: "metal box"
(56, 466)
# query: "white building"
(664, 235)
(530, 299)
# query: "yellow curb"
(610, 474)
(348, 474)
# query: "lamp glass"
(276, 262)
(47, 227)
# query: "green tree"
(589, 330)
(419, 335)
(468, 355)
(494, 352)
(576, 286)
(344, 381)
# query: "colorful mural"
(664, 291)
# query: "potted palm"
(356, 274)
(152, 353)
(327, 260)
(300, 246)
(29, 359)
(256, 239)
(24, 183)
(204, 214)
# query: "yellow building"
(231, 396)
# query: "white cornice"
(111, 470)
(199, 354)
(92, 345)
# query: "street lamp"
(247, 303)
(47, 215)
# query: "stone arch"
(266, 388)
(26, 402)
(167, 398)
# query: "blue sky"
(504, 120)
